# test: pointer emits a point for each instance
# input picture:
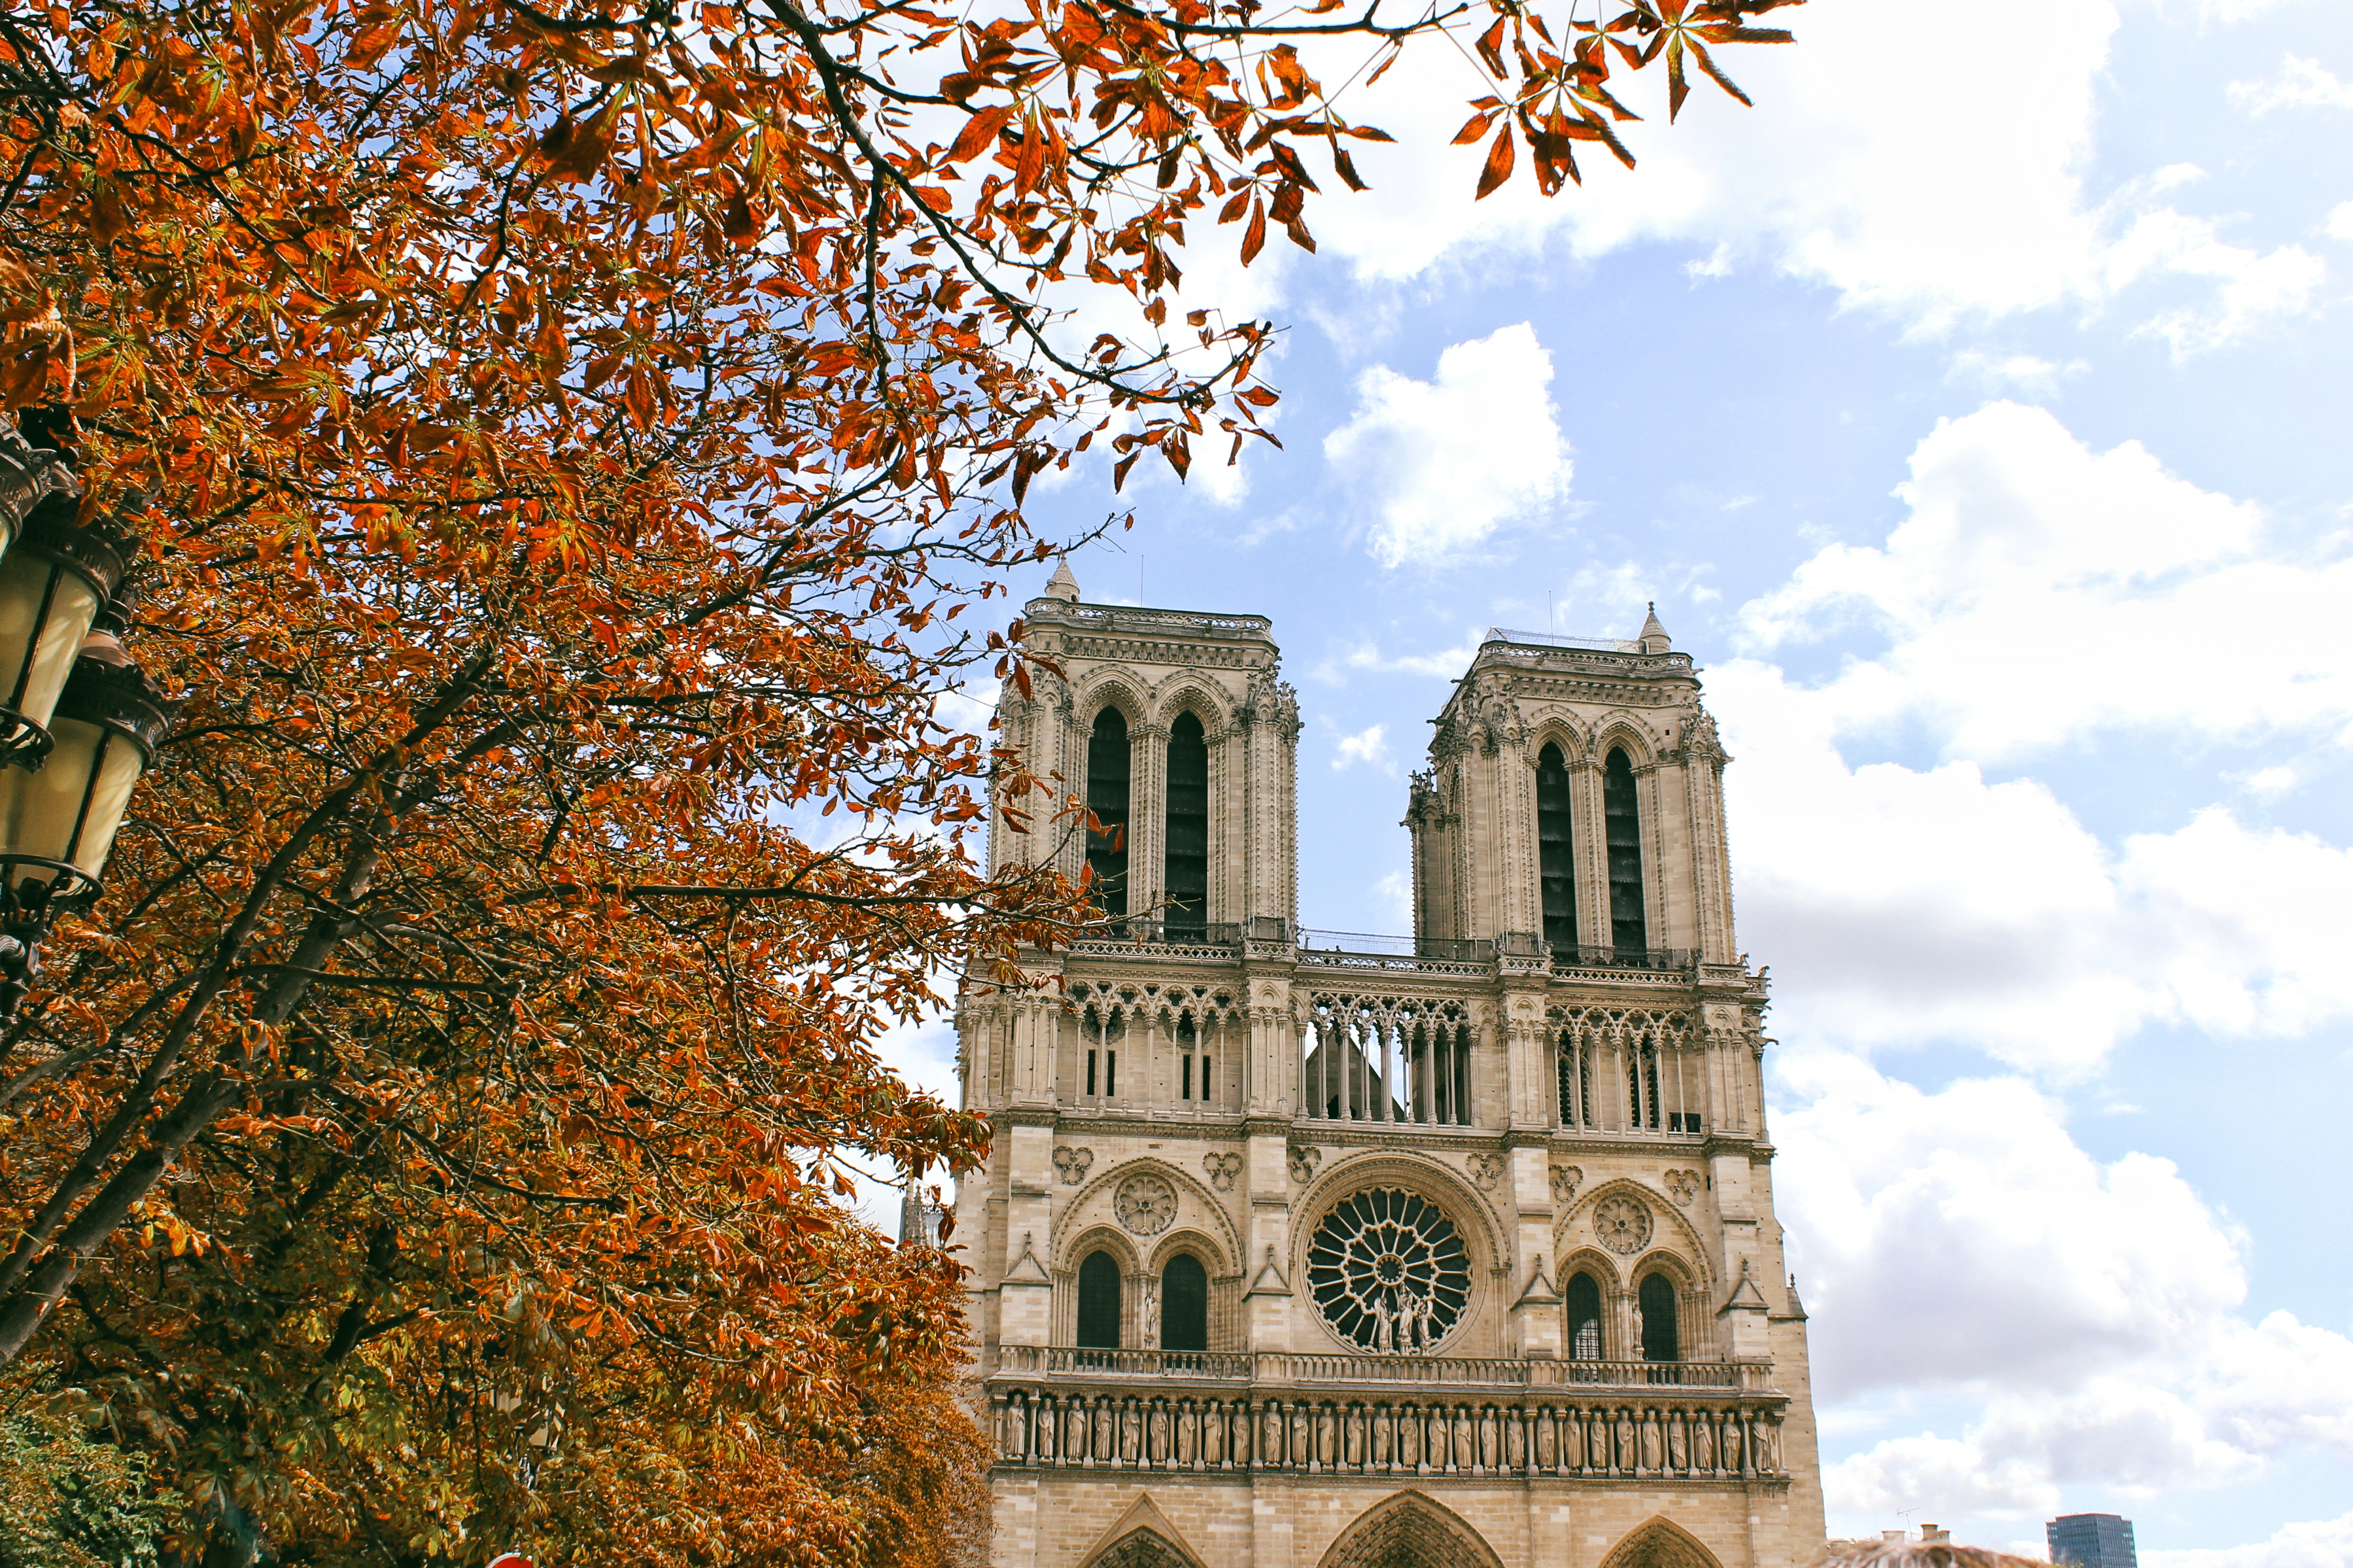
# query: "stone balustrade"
(1643, 1435)
(1285, 1367)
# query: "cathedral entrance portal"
(1660, 1542)
(1410, 1531)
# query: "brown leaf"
(1499, 164)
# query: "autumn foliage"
(564, 441)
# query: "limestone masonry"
(1300, 1249)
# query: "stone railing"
(1130, 618)
(1287, 1368)
(1643, 1435)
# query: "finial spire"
(1062, 584)
(1654, 636)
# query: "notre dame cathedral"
(1304, 1248)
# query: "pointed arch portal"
(1410, 1531)
(1660, 1542)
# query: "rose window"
(1389, 1271)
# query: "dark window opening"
(1205, 1078)
(1090, 1072)
(1111, 1072)
(1554, 864)
(1185, 1304)
(1657, 1300)
(1642, 1085)
(1622, 819)
(1684, 1121)
(1187, 1092)
(1584, 1318)
(1576, 1082)
(1188, 854)
(1107, 799)
(1099, 1302)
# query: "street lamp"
(54, 579)
(59, 816)
(78, 723)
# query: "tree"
(564, 440)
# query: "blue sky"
(1976, 410)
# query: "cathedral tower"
(1303, 1249)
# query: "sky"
(1975, 410)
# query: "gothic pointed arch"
(1411, 1529)
(1095, 1208)
(1660, 1542)
(1142, 1538)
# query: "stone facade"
(1455, 1249)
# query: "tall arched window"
(1107, 798)
(1657, 1299)
(1184, 1304)
(1099, 1302)
(1622, 819)
(1554, 866)
(1584, 1318)
(1188, 854)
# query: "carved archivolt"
(1411, 1527)
(1095, 1211)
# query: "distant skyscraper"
(2092, 1541)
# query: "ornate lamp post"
(78, 723)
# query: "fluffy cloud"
(1906, 905)
(2027, 556)
(2299, 83)
(1870, 165)
(1366, 746)
(1444, 462)
(2037, 595)
(2322, 1543)
(1962, 1240)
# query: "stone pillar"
(1147, 819)
(1267, 1299)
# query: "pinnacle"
(1654, 636)
(1063, 586)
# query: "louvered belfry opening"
(1622, 824)
(1184, 1304)
(1107, 799)
(1555, 863)
(1099, 1302)
(1188, 854)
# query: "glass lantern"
(57, 823)
(54, 579)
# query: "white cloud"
(2038, 595)
(2300, 83)
(2038, 592)
(2340, 222)
(1444, 462)
(1366, 746)
(2029, 374)
(1962, 1240)
(1444, 664)
(1870, 165)
(2322, 1543)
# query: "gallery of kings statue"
(1302, 1248)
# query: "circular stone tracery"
(1389, 1271)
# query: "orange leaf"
(1499, 164)
(1472, 128)
(1254, 236)
(979, 133)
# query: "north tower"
(1303, 1249)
